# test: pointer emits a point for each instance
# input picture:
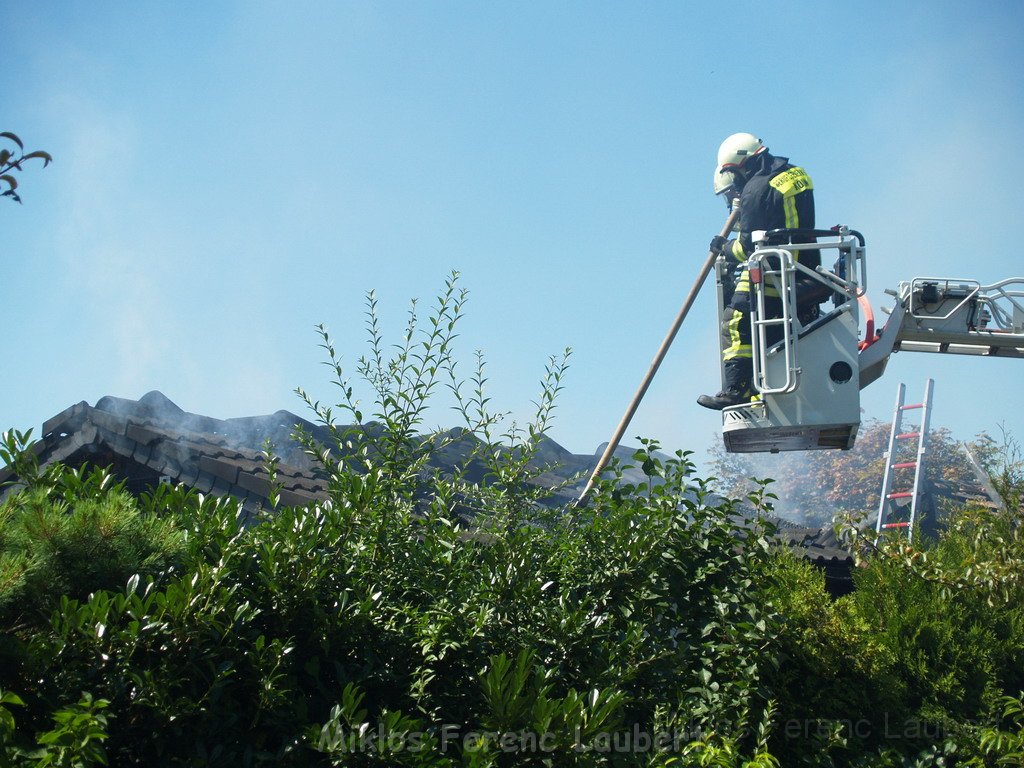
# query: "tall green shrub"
(414, 601)
(950, 617)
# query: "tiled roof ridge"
(199, 453)
(206, 461)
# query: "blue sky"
(227, 175)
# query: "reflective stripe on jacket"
(778, 195)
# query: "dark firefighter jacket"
(777, 195)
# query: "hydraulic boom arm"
(949, 316)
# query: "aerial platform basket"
(810, 360)
(804, 344)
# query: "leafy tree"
(815, 486)
(12, 160)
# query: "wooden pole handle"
(613, 443)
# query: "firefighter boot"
(736, 387)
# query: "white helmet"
(737, 148)
(725, 181)
(728, 185)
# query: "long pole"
(613, 443)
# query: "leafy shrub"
(75, 740)
(382, 609)
(950, 616)
(67, 534)
(53, 548)
(836, 687)
(656, 626)
(1001, 747)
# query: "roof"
(152, 440)
(821, 547)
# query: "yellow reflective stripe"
(734, 328)
(736, 348)
(737, 250)
(743, 285)
(789, 184)
(792, 219)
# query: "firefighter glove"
(717, 244)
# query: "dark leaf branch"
(11, 161)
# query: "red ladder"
(888, 508)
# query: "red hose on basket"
(869, 323)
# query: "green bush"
(69, 533)
(384, 610)
(836, 686)
(52, 548)
(417, 618)
(75, 740)
(949, 615)
(1004, 747)
(633, 614)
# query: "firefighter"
(771, 194)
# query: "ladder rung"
(904, 465)
(911, 407)
(908, 435)
(896, 525)
(901, 495)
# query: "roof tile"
(310, 486)
(292, 499)
(89, 434)
(189, 475)
(257, 484)
(225, 470)
(142, 453)
(142, 435)
(109, 421)
(118, 443)
(204, 483)
(67, 420)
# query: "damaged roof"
(152, 440)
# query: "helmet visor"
(726, 182)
